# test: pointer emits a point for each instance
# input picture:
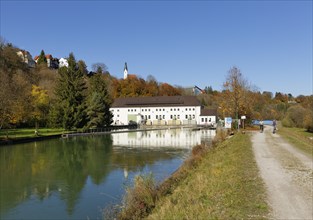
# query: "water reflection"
(178, 138)
(73, 178)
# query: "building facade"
(26, 58)
(161, 110)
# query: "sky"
(183, 43)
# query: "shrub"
(298, 116)
(139, 200)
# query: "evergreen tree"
(71, 95)
(42, 58)
(98, 110)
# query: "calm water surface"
(77, 178)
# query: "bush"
(300, 117)
(139, 200)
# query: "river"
(79, 177)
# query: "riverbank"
(17, 136)
(223, 183)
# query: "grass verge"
(221, 181)
(22, 133)
(225, 185)
(299, 138)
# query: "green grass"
(299, 138)
(15, 134)
(225, 185)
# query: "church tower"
(125, 71)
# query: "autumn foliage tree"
(235, 99)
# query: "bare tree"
(99, 68)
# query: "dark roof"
(157, 101)
(208, 112)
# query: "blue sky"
(183, 43)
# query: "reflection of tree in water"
(62, 166)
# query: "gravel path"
(287, 174)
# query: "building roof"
(208, 112)
(157, 101)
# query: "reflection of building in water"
(179, 138)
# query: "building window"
(128, 110)
(171, 109)
(156, 110)
(193, 116)
(202, 119)
(178, 116)
(193, 109)
(163, 109)
(163, 116)
(206, 119)
(156, 117)
(186, 109)
(118, 110)
(118, 115)
(186, 116)
(171, 116)
(149, 117)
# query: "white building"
(63, 62)
(26, 58)
(125, 71)
(162, 110)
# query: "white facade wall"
(207, 120)
(157, 115)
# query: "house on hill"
(26, 58)
(161, 110)
(51, 62)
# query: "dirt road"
(287, 174)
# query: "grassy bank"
(23, 133)
(298, 137)
(221, 182)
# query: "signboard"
(228, 122)
(243, 117)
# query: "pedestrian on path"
(274, 126)
(261, 123)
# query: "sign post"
(228, 121)
(243, 121)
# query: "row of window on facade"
(205, 119)
(148, 110)
(172, 117)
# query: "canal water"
(78, 178)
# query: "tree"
(71, 95)
(235, 99)
(82, 67)
(42, 58)
(99, 102)
(40, 104)
(99, 68)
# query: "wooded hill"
(73, 97)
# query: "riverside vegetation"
(219, 181)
